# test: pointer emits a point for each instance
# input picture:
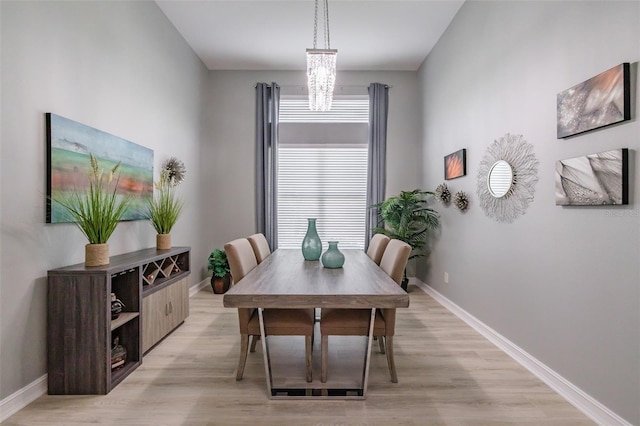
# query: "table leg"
(265, 352)
(367, 354)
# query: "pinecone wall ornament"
(443, 193)
(461, 201)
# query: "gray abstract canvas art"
(597, 102)
(595, 179)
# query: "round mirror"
(500, 178)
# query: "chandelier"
(321, 66)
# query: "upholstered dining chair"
(355, 322)
(377, 245)
(260, 246)
(278, 322)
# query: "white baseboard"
(196, 288)
(574, 395)
(22, 397)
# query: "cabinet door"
(178, 303)
(154, 309)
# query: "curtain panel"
(377, 167)
(267, 109)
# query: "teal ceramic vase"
(333, 258)
(311, 244)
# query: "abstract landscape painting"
(455, 164)
(596, 179)
(68, 146)
(600, 101)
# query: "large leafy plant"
(165, 206)
(408, 218)
(97, 210)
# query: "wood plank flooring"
(448, 375)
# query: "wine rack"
(158, 271)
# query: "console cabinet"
(153, 286)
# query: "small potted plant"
(219, 265)
(164, 208)
(96, 210)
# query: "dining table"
(285, 280)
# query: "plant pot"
(220, 285)
(405, 284)
(163, 241)
(96, 254)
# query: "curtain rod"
(303, 88)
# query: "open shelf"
(122, 319)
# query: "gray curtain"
(267, 107)
(377, 167)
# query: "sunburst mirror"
(507, 177)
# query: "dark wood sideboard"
(153, 286)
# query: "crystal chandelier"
(321, 66)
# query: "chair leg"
(381, 344)
(254, 340)
(308, 346)
(325, 356)
(390, 359)
(244, 348)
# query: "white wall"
(120, 67)
(230, 202)
(562, 283)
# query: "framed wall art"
(593, 180)
(68, 146)
(600, 101)
(455, 164)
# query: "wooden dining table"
(285, 280)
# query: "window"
(322, 171)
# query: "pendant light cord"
(327, 38)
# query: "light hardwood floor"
(448, 375)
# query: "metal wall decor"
(461, 201)
(507, 177)
(443, 193)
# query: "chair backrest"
(260, 246)
(395, 258)
(241, 258)
(377, 245)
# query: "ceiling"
(385, 35)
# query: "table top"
(286, 280)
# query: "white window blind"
(322, 172)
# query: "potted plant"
(407, 217)
(96, 210)
(221, 278)
(164, 208)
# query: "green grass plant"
(98, 209)
(165, 206)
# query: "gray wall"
(230, 199)
(561, 283)
(120, 67)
